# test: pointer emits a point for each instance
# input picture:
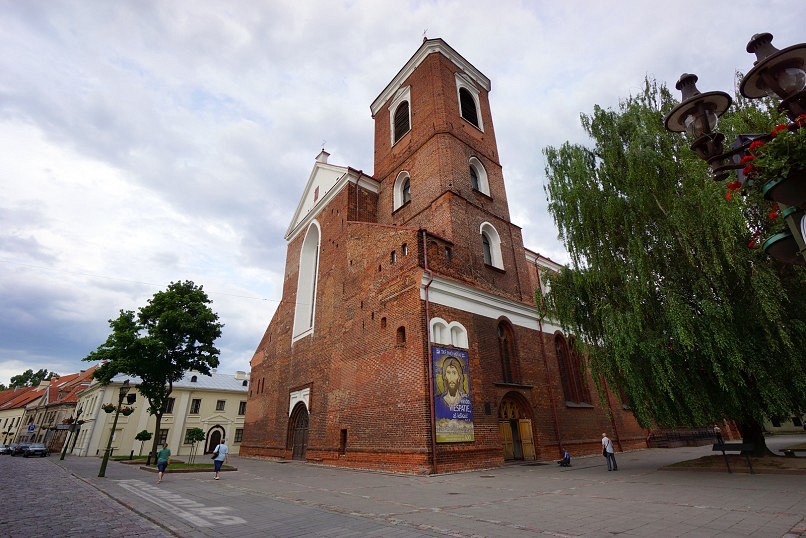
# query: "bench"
(741, 448)
(790, 452)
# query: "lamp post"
(124, 389)
(776, 73)
(72, 429)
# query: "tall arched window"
(305, 306)
(402, 123)
(506, 350)
(478, 176)
(491, 245)
(571, 373)
(468, 106)
(402, 190)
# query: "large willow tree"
(676, 310)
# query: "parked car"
(5, 449)
(35, 449)
(18, 449)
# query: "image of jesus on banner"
(453, 410)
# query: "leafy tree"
(674, 307)
(142, 436)
(172, 334)
(194, 435)
(29, 378)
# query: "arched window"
(491, 245)
(571, 373)
(402, 122)
(506, 350)
(478, 176)
(305, 306)
(468, 107)
(402, 190)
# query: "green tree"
(194, 435)
(172, 334)
(29, 378)
(674, 307)
(142, 436)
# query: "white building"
(216, 404)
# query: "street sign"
(31, 428)
(63, 426)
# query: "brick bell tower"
(437, 159)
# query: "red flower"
(757, 144)
(801, 120)
(728, 196)
(749, 170)
(778, 128)
(774, 214)
(751, 244)
(747, 159)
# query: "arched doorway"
(298, 431)
(214, 437)
(516, 430)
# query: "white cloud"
(148, 142)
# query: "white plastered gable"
(325, 181)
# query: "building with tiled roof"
(48, 409)
(216, 404)
(12, 410)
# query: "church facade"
(408, 337)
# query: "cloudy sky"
(144, 142)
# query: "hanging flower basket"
(777, 163)
(108, 408)
(783, 247)
(789, 190)
(126, 411)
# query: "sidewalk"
(284, 499)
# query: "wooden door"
(527, 439)
(299, 432)
(506, 440)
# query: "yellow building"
(216, 404)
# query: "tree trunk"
(155, 444)
(752, 432)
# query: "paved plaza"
(49, 497)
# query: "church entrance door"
(299, 431)
(517, 439)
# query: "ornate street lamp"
(776, 73)
(124, 389)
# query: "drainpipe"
(429, 362)
(557, 434)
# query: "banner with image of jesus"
(453, 410)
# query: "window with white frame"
(400, 114)
(478, 176)
(468, 96)
(402, 189)
(491, 245)
(305, 306)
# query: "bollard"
(131, 455)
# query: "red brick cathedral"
(408, 338)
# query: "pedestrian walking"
(609, 453)
(163, 456)
(220, 456)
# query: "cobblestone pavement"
(264, 498)
(41, 499)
